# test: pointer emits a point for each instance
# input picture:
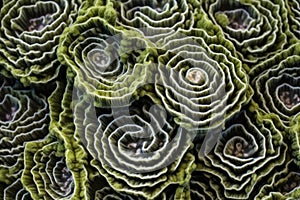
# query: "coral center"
(239, 148)
(8, 108)
(100, 59)
(159, 5)
(292, 182)
(195, 76)
(64, 178)
(238, 19)
(289, 96)
(40, 22)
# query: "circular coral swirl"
(138, 149)
(294, 136)
(277, 84)
(293, 7)
(285, 184)
(46, 175)
(104, 59)
(256, 28)
(200, 83)
(247, 154)
(16, 191)
(154, 19)
(101, 190)
(29, 36)
(23, 117)
(201, 187)
(109, 193)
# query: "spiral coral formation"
(162, 99)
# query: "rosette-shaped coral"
(101, 190)
(71, 159)
(200, 83)
(104, 59)
(285, 185)
(154, 19)
(23, 117)
(293, 7)
(46, 175)
(276, 82)
(250, 150)
(201, 187)
(256, 28)
(294, 136)
(29, 36)
(15, 191)
(138, 149)
(109, 193)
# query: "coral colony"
(150, 100)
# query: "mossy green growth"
(222, 19)
(205, 23)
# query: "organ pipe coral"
(149, 100)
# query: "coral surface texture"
(149, 100)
